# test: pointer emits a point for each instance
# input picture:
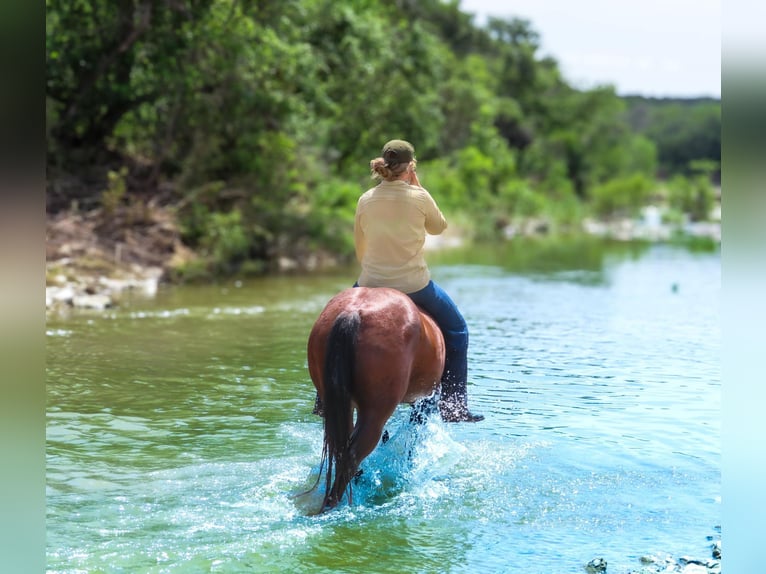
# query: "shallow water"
(179, 429)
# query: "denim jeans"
(435, 301)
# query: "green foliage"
(223, 241)
(468, 102)
(521, 200)
(105, 59)
(693, 196)
(113, 195)
(330, 215)
(682, 130)
(622, 197)
(257, 120)
(196, 270)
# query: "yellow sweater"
(390, 228)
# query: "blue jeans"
(435, 301)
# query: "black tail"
(338, 419)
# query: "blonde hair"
(380, 169)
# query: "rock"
(63, 294)
(287, 264)
(659, 562)
(650, 227)
(97, 301)
(536, 227)
(694, 569)
(146, 286)
(654, 559)
(116, 285)
(596, 566)
(510, 231)
(666, 564)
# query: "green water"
(179, 428)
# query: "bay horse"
(370, 350)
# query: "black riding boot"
(454, 403)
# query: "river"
(179, 428)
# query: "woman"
(390, 228)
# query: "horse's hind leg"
(366, 436)
(318, 406)
(364, 439)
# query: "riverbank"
(94, 259)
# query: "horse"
(370, 350)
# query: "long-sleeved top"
(390, 228)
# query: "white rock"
(63, 294)
(97, 301)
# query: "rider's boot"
(454, 403)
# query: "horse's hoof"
(318, 407)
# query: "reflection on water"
(179, 430)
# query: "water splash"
(411, 457)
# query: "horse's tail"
(339, 367)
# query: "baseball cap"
(398, 151)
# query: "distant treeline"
(684, 131)
(256, 119)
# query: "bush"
(692, 196)
(621, 197)
(441, 179)
(518, 199)
(221, 238)
(226, 240)
(330, 216)
(112, 196)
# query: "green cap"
(398, 151)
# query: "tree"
(682, 130)
(95, 51)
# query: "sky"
(656, 48)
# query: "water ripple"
(178, 435)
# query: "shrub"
(621, 197)
(224, 240)
(692, 196)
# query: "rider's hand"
(414, 178)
